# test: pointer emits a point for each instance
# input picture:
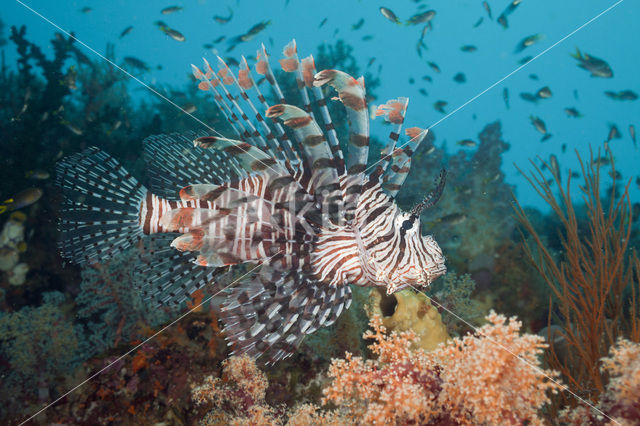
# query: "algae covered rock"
(410, 310)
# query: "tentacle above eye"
(432, 198)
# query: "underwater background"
(546, 87)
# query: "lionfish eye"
(407, 224)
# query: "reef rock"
(410, 310)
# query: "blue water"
(394, 47)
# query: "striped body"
(283, 196)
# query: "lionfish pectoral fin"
(173, 163)
(168, 277)
(270, 312)
(102, 206)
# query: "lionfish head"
(423, 261)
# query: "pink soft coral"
(468, 380)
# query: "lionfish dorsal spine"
(263, 68)
(393, 112)
(207, 85)
(396, 174)
(210, 82)
(226, 77)
(271, 144)
(308, 72)
(246, 81)
(291, 63)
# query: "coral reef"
(619, 402)
(11, 245)
(453, 294)
(38, 346)
(238, 398)
(409, 310)
(466, 381)
(109, 307)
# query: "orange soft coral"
(483, 382)
(467, 380)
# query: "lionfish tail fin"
(102, 206)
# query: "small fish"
(478, 22)
(597, 67)
(174, 34)
(219, 39)
(632, 133)
(614, 133)
(189, 108)
(423, 92)
(74, 129)
(22, 199)
(357, 25)
(223, 19)
(231, 61)
(324, 21)
(603, 161)
(502, 20)
(529, 97)
(572, 112)
(616, 175)
(538, 124)
(171, 9)
(554, 166)
(371, 61)
(505, 96)
(452, 219)
(460, 78)
(37, 174)
(135, 63)
(469, 48)
(434, 66)
(544, 93)
(525, 60)
(427, 78)
(487, 8)
(367, 38)
(467, 143)
(575, 94)
(69, 79)
(534, 77)
(528, 41)
(86, 9)
(126, 31)
(255, 30)
(439, 106)
(388, 13)
(623, 95)
(421, 18)
(546, 137)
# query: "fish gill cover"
(266, 221)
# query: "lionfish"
(283, 195)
